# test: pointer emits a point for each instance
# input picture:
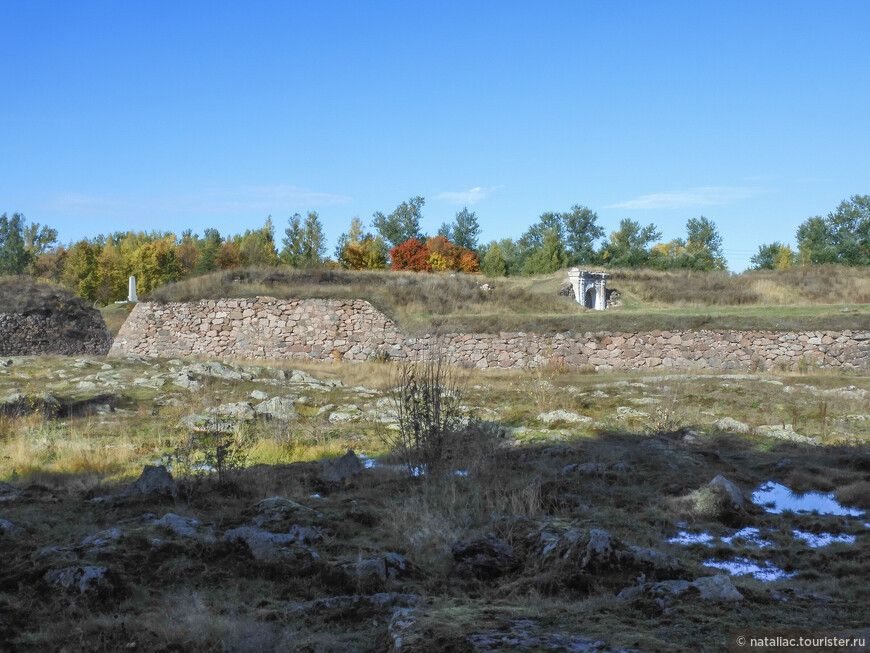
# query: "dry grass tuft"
(855, 495)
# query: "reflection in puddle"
(764, 571)
(685, 538)
(777, 498)
(750, 535)
(416, 470)
(814, 540)
(203, 468)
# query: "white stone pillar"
(131, 292)
(574, 279)
(601, 295)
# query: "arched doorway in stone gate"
(589, 299)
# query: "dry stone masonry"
(53, 333)
(354, 330)
(40, 318)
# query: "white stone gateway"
(590, 288)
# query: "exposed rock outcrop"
(341, 470)
(154, 480)
(484, 558)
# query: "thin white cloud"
(470, 196)
(245, 199)
(82, 203)
(690, 198)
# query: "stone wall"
(353, 330)
(54, 332)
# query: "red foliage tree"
(410, 255)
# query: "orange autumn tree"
(444, 255)
(435, 255)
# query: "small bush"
(427, 400)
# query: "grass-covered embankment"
(812, 298)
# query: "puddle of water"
(203, 468)
(763, 571)
(685, 538)
(777, 498)
(417, 470)
(750, 535)
(315, 496)
(816, 540)
(461, 472)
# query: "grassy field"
(114, 316)
(366, 562)
(823, 297)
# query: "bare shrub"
(426, 397)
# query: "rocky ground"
(187, 505)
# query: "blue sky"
(168, 115)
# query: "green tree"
(80, 273)
(304, 243)
(629, 245)
(842, 236)
(465, 230)
(531, 243)
(581, 232)
(550, 256)
(209, 246)
(493, 264)
(38, 239)
(774, 256)
(257, 247)
(15, 257)
(703, 245)
(512, 255)
(401, 225)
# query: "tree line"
(841, 237)
(97, 268)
